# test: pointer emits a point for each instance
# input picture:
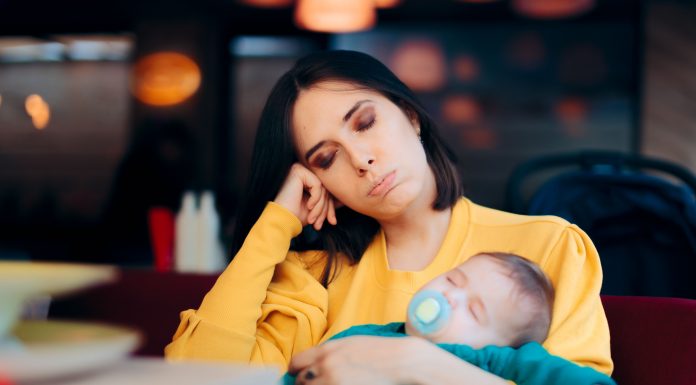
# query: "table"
(157, 371)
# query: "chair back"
(640, 213)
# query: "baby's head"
(496, 299)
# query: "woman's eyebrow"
(314, 149)
(354, 108)
(346, 117)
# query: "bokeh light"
(552, 9)
(387, 3)
(466, 68)
(38, 110)
(573, 113)
(479, 138)
(421, 64)
(165, 78)
(337, 16)
(461, 109)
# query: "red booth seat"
(653, 340)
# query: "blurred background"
(109, 109)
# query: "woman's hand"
(303, 194)
(385, 360)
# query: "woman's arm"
(245, 317)
(226, 324)
(579, 330)
(384, 360)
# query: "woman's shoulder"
(486, 216)
(489, 227)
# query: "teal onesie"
(530, 364)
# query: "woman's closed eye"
(366, 124)
(365, 119)
(324, 161)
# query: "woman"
(344, 146)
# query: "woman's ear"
(413, 118)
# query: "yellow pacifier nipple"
(428, 310)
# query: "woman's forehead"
(325, 105)
(331, 93)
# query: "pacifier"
(429, 311)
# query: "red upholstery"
(142, 299)
(653, 339)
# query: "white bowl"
(20, 281)
(50, 350)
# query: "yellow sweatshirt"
(268, 305)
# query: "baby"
(494, 311)
(490, 299)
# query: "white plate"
(44, 350)
(50, 278)
(20, 281)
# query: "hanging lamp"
(335, 16)
(165, 78)
(552, 9)
(387, 3)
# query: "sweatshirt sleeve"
(579, 330)
(265, 305)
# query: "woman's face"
(364, 149)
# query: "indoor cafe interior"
(128, 158)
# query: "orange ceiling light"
(552, 9)
(387, 3)
(165, 78)
(335, 16)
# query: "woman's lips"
(384, 185)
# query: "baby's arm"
(529, 364)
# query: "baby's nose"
(455, 297)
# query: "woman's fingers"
(313, 186)
(306, 376)
(304, 195)
(331, 214)
(316, 210)
(322, 216)
(303, 360)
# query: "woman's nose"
(364, 167)
(361, 157)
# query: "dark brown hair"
(274, 152)
(532, 284)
